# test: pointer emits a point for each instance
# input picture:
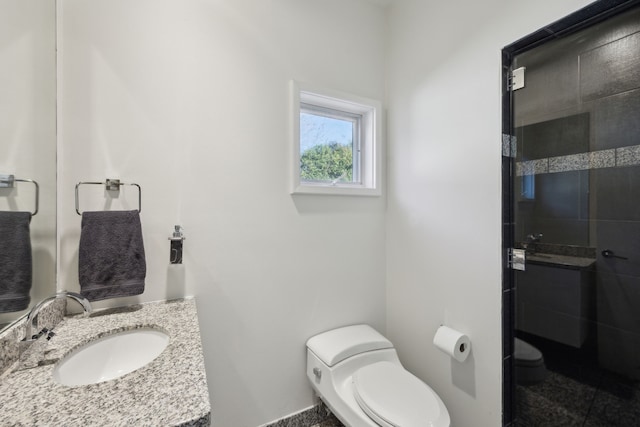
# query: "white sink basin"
(110, 357)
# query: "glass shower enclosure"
(574, 202)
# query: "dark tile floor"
(577, 392)
(328, 419)
(331, 422)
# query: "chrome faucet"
(33, 314)
(533, 238)
(530, 242)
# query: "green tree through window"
(327, 162)
(334, 144)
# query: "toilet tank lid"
(338, 344)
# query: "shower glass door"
(575, 208)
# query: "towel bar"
(8, 181)
(110, 185)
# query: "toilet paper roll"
(454, 343)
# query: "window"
(336, 147)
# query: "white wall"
(443, 226)
(190, 100)
(28, 129)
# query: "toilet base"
(531, 375)
(529, 364)
(335, 388)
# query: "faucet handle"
(42, 332)
(534, 237)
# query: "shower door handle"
(608, 253)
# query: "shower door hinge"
(517, 259)
(517, 78)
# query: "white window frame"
(368, 165)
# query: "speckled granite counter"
(569, 257)
(561, 261)
(169, 391)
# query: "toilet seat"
(393, 397)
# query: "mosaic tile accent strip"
(509, 145)
(572, 162)
(602, 159)
(532, 167)
(618, 157)
(628, 156)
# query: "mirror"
(28, 132)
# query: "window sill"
(336, 190)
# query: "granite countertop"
(562, 261)
(169, 391)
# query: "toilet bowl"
(529, 363)
(357, 374)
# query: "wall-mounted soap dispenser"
(175, 253)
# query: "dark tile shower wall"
(616, 106)
(577, 124)
(557, 137)
(616, 121)
(614, 59)
(557, 204)
(618, 280)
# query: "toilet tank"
(334, 346)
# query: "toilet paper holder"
(453, 343)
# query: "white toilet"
(357, 373)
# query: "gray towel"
(111, 259)
(15, 261)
